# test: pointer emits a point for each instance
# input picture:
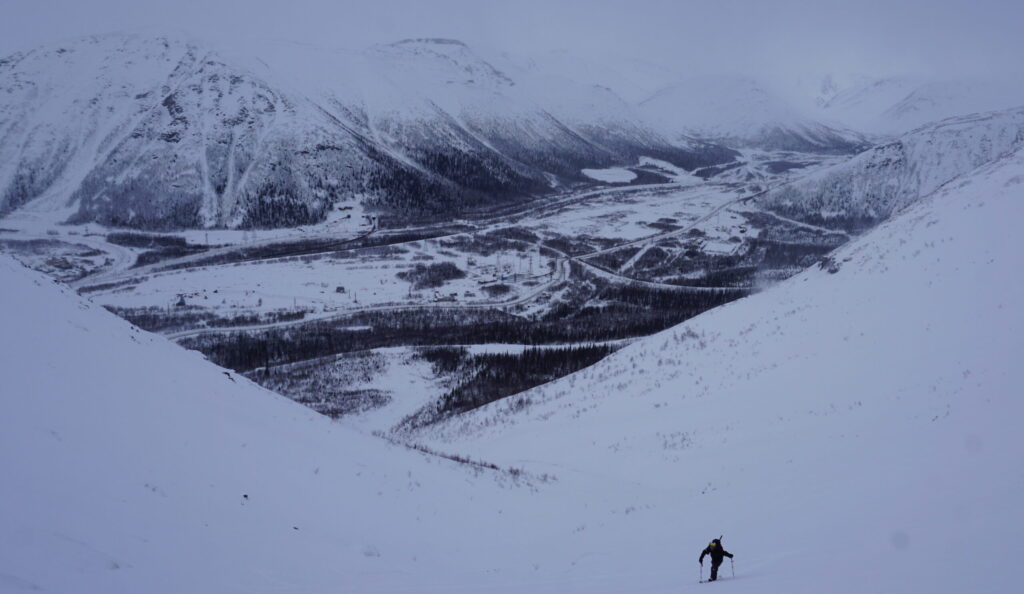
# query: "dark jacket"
(716, 551)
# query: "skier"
(718, 554)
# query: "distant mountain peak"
(447, 59)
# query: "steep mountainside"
(881, 181)
(743, 112)
(163, 133)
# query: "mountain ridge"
(883, 180)
(236, 144)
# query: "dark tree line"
(626, 312)
(312, 247)
(431, 276)
(492, 376)
(281, 203)
(158, 319)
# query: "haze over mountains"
(741, 112)
(893, 105)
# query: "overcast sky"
(772, 37)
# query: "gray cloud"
(772, 38)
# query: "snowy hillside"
(156, 132)
(853, 431)
(883, 180)
(132, 465)
(892, 106)
(743, 112)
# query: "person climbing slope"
(717, 553)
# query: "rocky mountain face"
(161, 133)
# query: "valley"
(561, 281)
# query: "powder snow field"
(846, 432)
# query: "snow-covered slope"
(883, 180)
(132, 465)
(892, 106)
(743, 112)
(851, 432)
(160, 132)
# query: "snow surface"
(368, 281)
(131, 465)
(611, 175)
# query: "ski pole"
(702, 572)
(732, 564)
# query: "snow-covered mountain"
(742, 112)
(895, 105)
(854, 427)
(158, 132)
(885, 179)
